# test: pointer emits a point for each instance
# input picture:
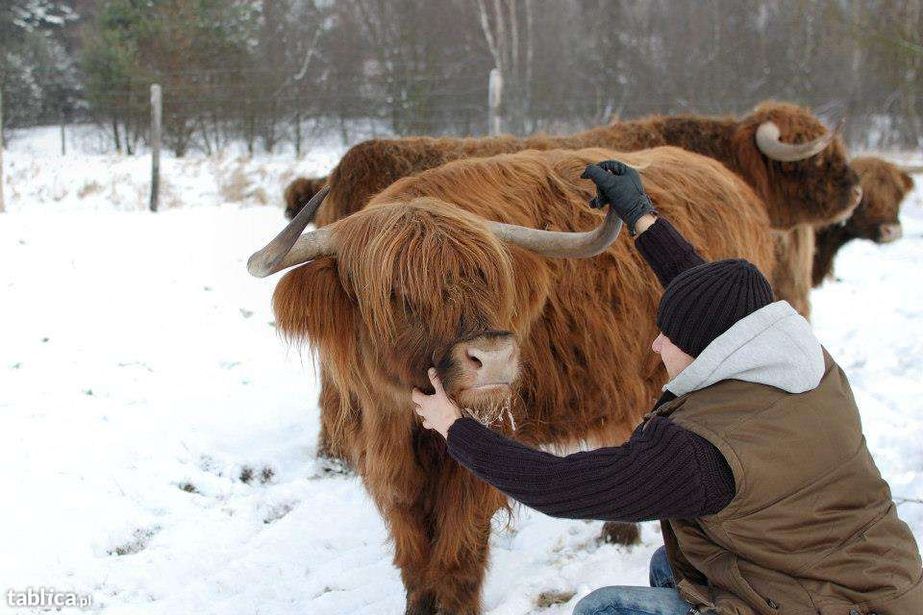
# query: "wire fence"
(204, 109)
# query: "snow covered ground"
(38, 178)
(157, 439)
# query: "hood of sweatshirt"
(774, 345)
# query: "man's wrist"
(448, 429)
(644, 222)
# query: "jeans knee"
(659, 559)
(591, 604)
(661, 575)
(632, 600)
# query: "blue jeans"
(661, 598)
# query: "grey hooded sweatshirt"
(774, 346)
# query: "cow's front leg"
(462, 519)
(412, 547)
(402, 489)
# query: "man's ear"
(311, 305)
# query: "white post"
(494, 98)
(2, 206)
(156, 116)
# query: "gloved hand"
(620, 186)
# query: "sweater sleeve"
(663, 472)
(666, 251)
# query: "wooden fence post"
(494, 99)
(156, 116)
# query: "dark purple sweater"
(662, 472)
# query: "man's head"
(703, 302)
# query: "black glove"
(619, 186)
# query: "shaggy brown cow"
(803, 186)
(420, 276)
(884, 186)
(808, 183)
(299, 192)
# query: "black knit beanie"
(704, 301)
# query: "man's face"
(674, 359)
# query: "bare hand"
(437, 410)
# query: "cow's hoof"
(620, 533)
(418, 604)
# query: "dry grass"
(91, 187)
(552, 597)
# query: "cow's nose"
(488, 360)
(498, 355)
(890, 232)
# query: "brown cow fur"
(417, 270)
(812, 191)
(884, 186)
(794, 249)
(299, 192)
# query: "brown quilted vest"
(812, 529)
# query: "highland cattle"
(884, 186)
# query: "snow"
(141, 378)
(37, 176)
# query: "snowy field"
(157, 439)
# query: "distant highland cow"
(448, 264)
(796, 165)
(884, 186)
(769, 148)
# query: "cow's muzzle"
(890, 232)
(486, 363)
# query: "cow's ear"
(312, 306)
(907, 181)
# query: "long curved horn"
(767, 140)
(290, 247)
(561, 244)
(911, 169)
